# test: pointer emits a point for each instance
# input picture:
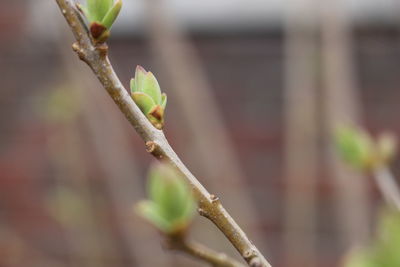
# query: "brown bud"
(97, 29)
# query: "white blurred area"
(227, 15)
(233, 15)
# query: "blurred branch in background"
(342, 106)
(386, 183)
(218, 161)
(301, 133)
(71, 201)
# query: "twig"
(387, 185)
(96, 57)
(201, 252)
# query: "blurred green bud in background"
(171, 205)
(146, 93)
(384, 249)
(360, 150)
(355, 146)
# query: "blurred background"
(255, 88)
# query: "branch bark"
(157, 144)
(387, 185)
(201, 252)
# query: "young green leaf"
(140, 75)
(93, 11)
(103, 6)
(112, 14)
(144, 101)
(172, 203)
(151, 87)
(133, 86)
(149, 210)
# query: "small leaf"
(103, 6)
(151, 87)
(92, 11)
(144, 102)
(149, 211)
(140, 75)
(133, 86)
(97, 9)
(112, 14)
(164, 100)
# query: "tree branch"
(199, 251)
(387, 185)
(209, 205)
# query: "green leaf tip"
(171, 205)
(145, 83)
(360, 150)
(112, 14)
(101, 14)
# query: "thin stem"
(209, 205)
(387, 185)
(201, 252)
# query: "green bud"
(355, 147)
(171, 204)
(146, 93)
(101, 15)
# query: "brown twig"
(201, 252)
(387, 185)
(96, 57)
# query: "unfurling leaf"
(144, 101)
(101, 15)
(145, 87)
(171, 204)
(112, 14)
